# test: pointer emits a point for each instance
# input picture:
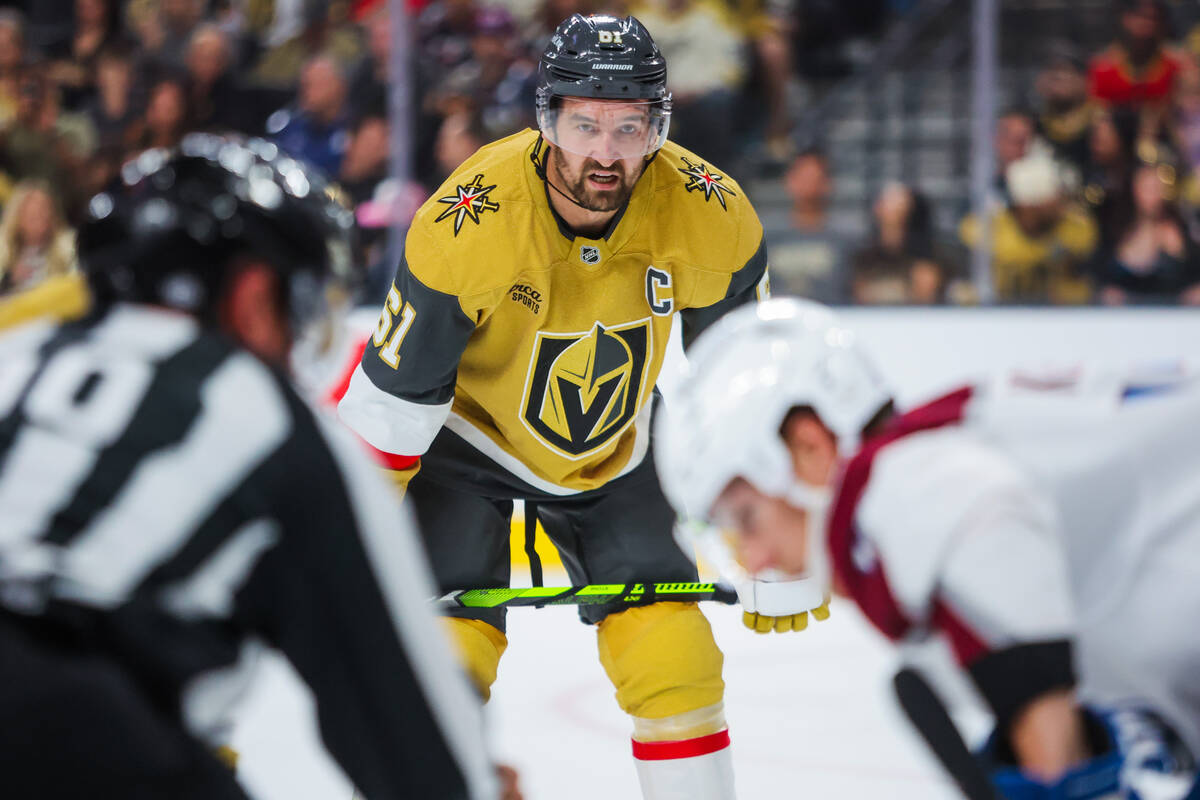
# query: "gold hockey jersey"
(539, 348)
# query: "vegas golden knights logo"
(583, 388)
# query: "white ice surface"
(810, 714)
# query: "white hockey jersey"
(1031, 509)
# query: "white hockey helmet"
(743, 376)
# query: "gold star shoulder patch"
(468, 202)
(703, 179)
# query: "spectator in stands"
(43, 141)
(1066, 108)
(365, 164)
(1185, 123)
(1153, 260)
(1015, 133)
(112, 112)
(179, 19)
(317, 129)
(292, 32)
(1040, 243)
(444, 30)
(498, 81)
(35, 243)
(707, 54)
(12, 57)
(1111, 158)
(810, 258)
(166, 118)
(766, 26)
(369, 81)
(1185, 133)
(549, 13)
(101, 169)
(506, 75)
(216, 100)
(899, 267)
(73, 62)
(460, 135)
(1138, 70)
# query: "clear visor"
(605, 130)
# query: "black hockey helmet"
(602, 57)
(167, 234)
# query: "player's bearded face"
(595, 185)
(600, 147)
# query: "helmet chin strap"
(569, 198)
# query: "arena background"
(954, 171)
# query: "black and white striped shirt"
(158, 479)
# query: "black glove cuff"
(1010, 678)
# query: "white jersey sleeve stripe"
(209, 591)
(243, 419)
(389, 423)
(54, 454)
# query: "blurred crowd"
(1096, 194)
(1095, 198)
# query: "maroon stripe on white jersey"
(855, 566)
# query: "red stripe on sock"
(686, 748)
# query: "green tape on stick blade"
(604, 589)
(683, 588)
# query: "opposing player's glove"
(1139, 758)
(781, 605)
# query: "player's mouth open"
(604, 180)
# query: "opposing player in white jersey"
(1048, 528)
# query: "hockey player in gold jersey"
(516, 358)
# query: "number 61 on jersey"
(389, 346)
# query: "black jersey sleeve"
(743, 288)
(346, 597)
(401, 392)
(414, 351)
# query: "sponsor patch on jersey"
(584, 389)
(703, 179)
(589, 254)
(468, 202)
(527, 296)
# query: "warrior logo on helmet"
(583, 389)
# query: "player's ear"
(252, 313)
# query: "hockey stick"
(928, 715)
(591, 594)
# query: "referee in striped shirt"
(168, 505)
